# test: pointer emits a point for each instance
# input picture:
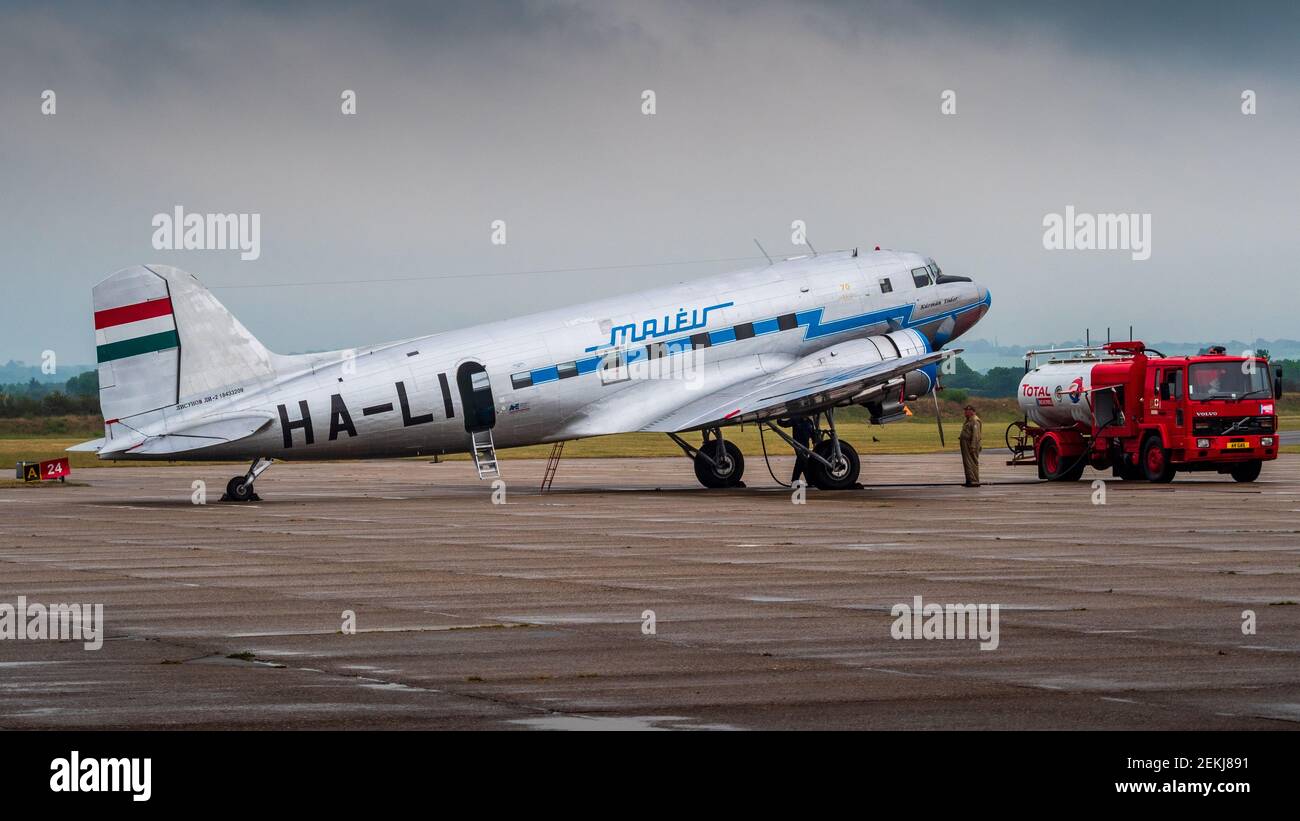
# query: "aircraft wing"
(831, 376)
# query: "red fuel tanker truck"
(1144, 415)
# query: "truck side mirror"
(1277, 383)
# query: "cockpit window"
(921, 276)
(935, 271)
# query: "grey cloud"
(529, 112)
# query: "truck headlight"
(1266, 441)
(1202, 443)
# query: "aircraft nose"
(974, 309)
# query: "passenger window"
(921, 276)
(886, 286)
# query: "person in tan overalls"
(972, 431)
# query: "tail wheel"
(843, 471)
(1155, 461)
(238, 490)
(1247, 471)
(723, 472)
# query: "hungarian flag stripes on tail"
(136, 343)
(131, 330)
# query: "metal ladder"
(552, 464)
(485, 454)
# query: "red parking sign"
(55, 469)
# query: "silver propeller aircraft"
(181, 379)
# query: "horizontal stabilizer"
(203, 433)
(92, 446)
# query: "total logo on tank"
(1040, 393)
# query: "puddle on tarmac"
(616, 723)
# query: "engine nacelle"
(917, 384)
(885, 402)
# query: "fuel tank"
(1055, 395)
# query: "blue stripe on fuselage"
(810, 320)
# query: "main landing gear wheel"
(842, 473)
(725, 470)
(1155, 461)
(1247, 471)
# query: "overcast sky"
(531, 113)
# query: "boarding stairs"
(485, 454)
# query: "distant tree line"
(1290, 375)
(996, 383)
(78, 395)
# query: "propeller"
(938, 419)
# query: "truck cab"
(1213, 412)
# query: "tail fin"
(162, 338)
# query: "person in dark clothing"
(802, 431)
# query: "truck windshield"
(1227, 380)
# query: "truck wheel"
(844, 474)
(1129, 473)
(726, 473)
(1247, 471)
(1054, 467)
(1155, 461)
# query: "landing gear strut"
(832, 463)
(718, 463)
(240, 488)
